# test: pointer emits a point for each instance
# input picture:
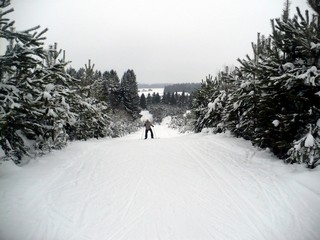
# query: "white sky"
(162, 41)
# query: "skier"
(148, 126)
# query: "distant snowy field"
(160, 91)
(192, 186)
(146, 91)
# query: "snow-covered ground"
(192, 186)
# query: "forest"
(271, 99)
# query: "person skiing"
(148, 126)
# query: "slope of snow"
(195, 186)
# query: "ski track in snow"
(192, 186)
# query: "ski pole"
(142, 134)
(154, 131)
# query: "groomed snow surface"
(191, 186)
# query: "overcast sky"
(161, 40)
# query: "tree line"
(180, 95)
(182, 87)
(272, 99)
(174, 99)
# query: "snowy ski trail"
(192, 186)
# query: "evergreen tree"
(166, 97)
(157, 98)
(149, 99)
(153, 98)
(87, 80)
(202, 97)
(72, 72)
(286, 11)
(143, 103)
(240, 113)
(315, 5)
(182, 100)
(80, 75)
(91, 105)
(34, 93)
(173, 100)
(21, 57)
(98, 90)
(89, 75)
(290, 91)
(111, 89)
(92, 119)
(130, 95)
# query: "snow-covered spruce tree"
(112, 89)
(10, 95)
(91, 107)
(49, 97)
(243, 113)
(302, 82)
(93, 119)
(98, 90)
(227, 83)
(86, 77)
(33, 93)
(239, 113)
(129, 90)
(287, 80)
(307, 148)
(211, 99)
(208, 91)
(291, 90)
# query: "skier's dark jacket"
(148, 125)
